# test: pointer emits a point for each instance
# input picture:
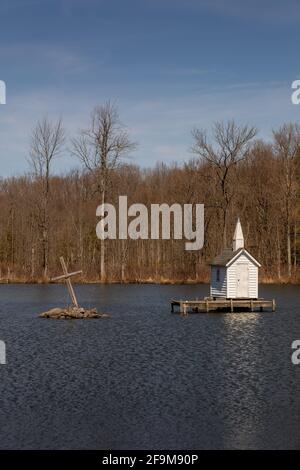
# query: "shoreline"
(166, 282)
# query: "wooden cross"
(67, 276)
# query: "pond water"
(146, 378)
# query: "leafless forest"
(44, 215)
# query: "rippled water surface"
(146, 378)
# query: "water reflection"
(147, 378)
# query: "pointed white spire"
(238, 238)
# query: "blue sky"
(170, 65)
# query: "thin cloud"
(274, 12)
(161, 126)
(55, 57)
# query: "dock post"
(231, 305)
(207, 307)
(273, 305)
(172, 307)
(184, 310)
(251, 305)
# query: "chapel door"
(242, 278)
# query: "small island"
(74, 311)
(71, 313)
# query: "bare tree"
(47, 140)
(100, 148)
(231, 146)
(259, 199)
(287, 148)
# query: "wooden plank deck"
(231, 305)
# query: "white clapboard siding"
(218, 288)
(252, 277)
(232, 282)
(234, 273)
(225, 284)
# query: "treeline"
(44, 216)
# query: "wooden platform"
(209, 305)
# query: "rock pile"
(72, 313)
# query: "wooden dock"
(222, 305)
